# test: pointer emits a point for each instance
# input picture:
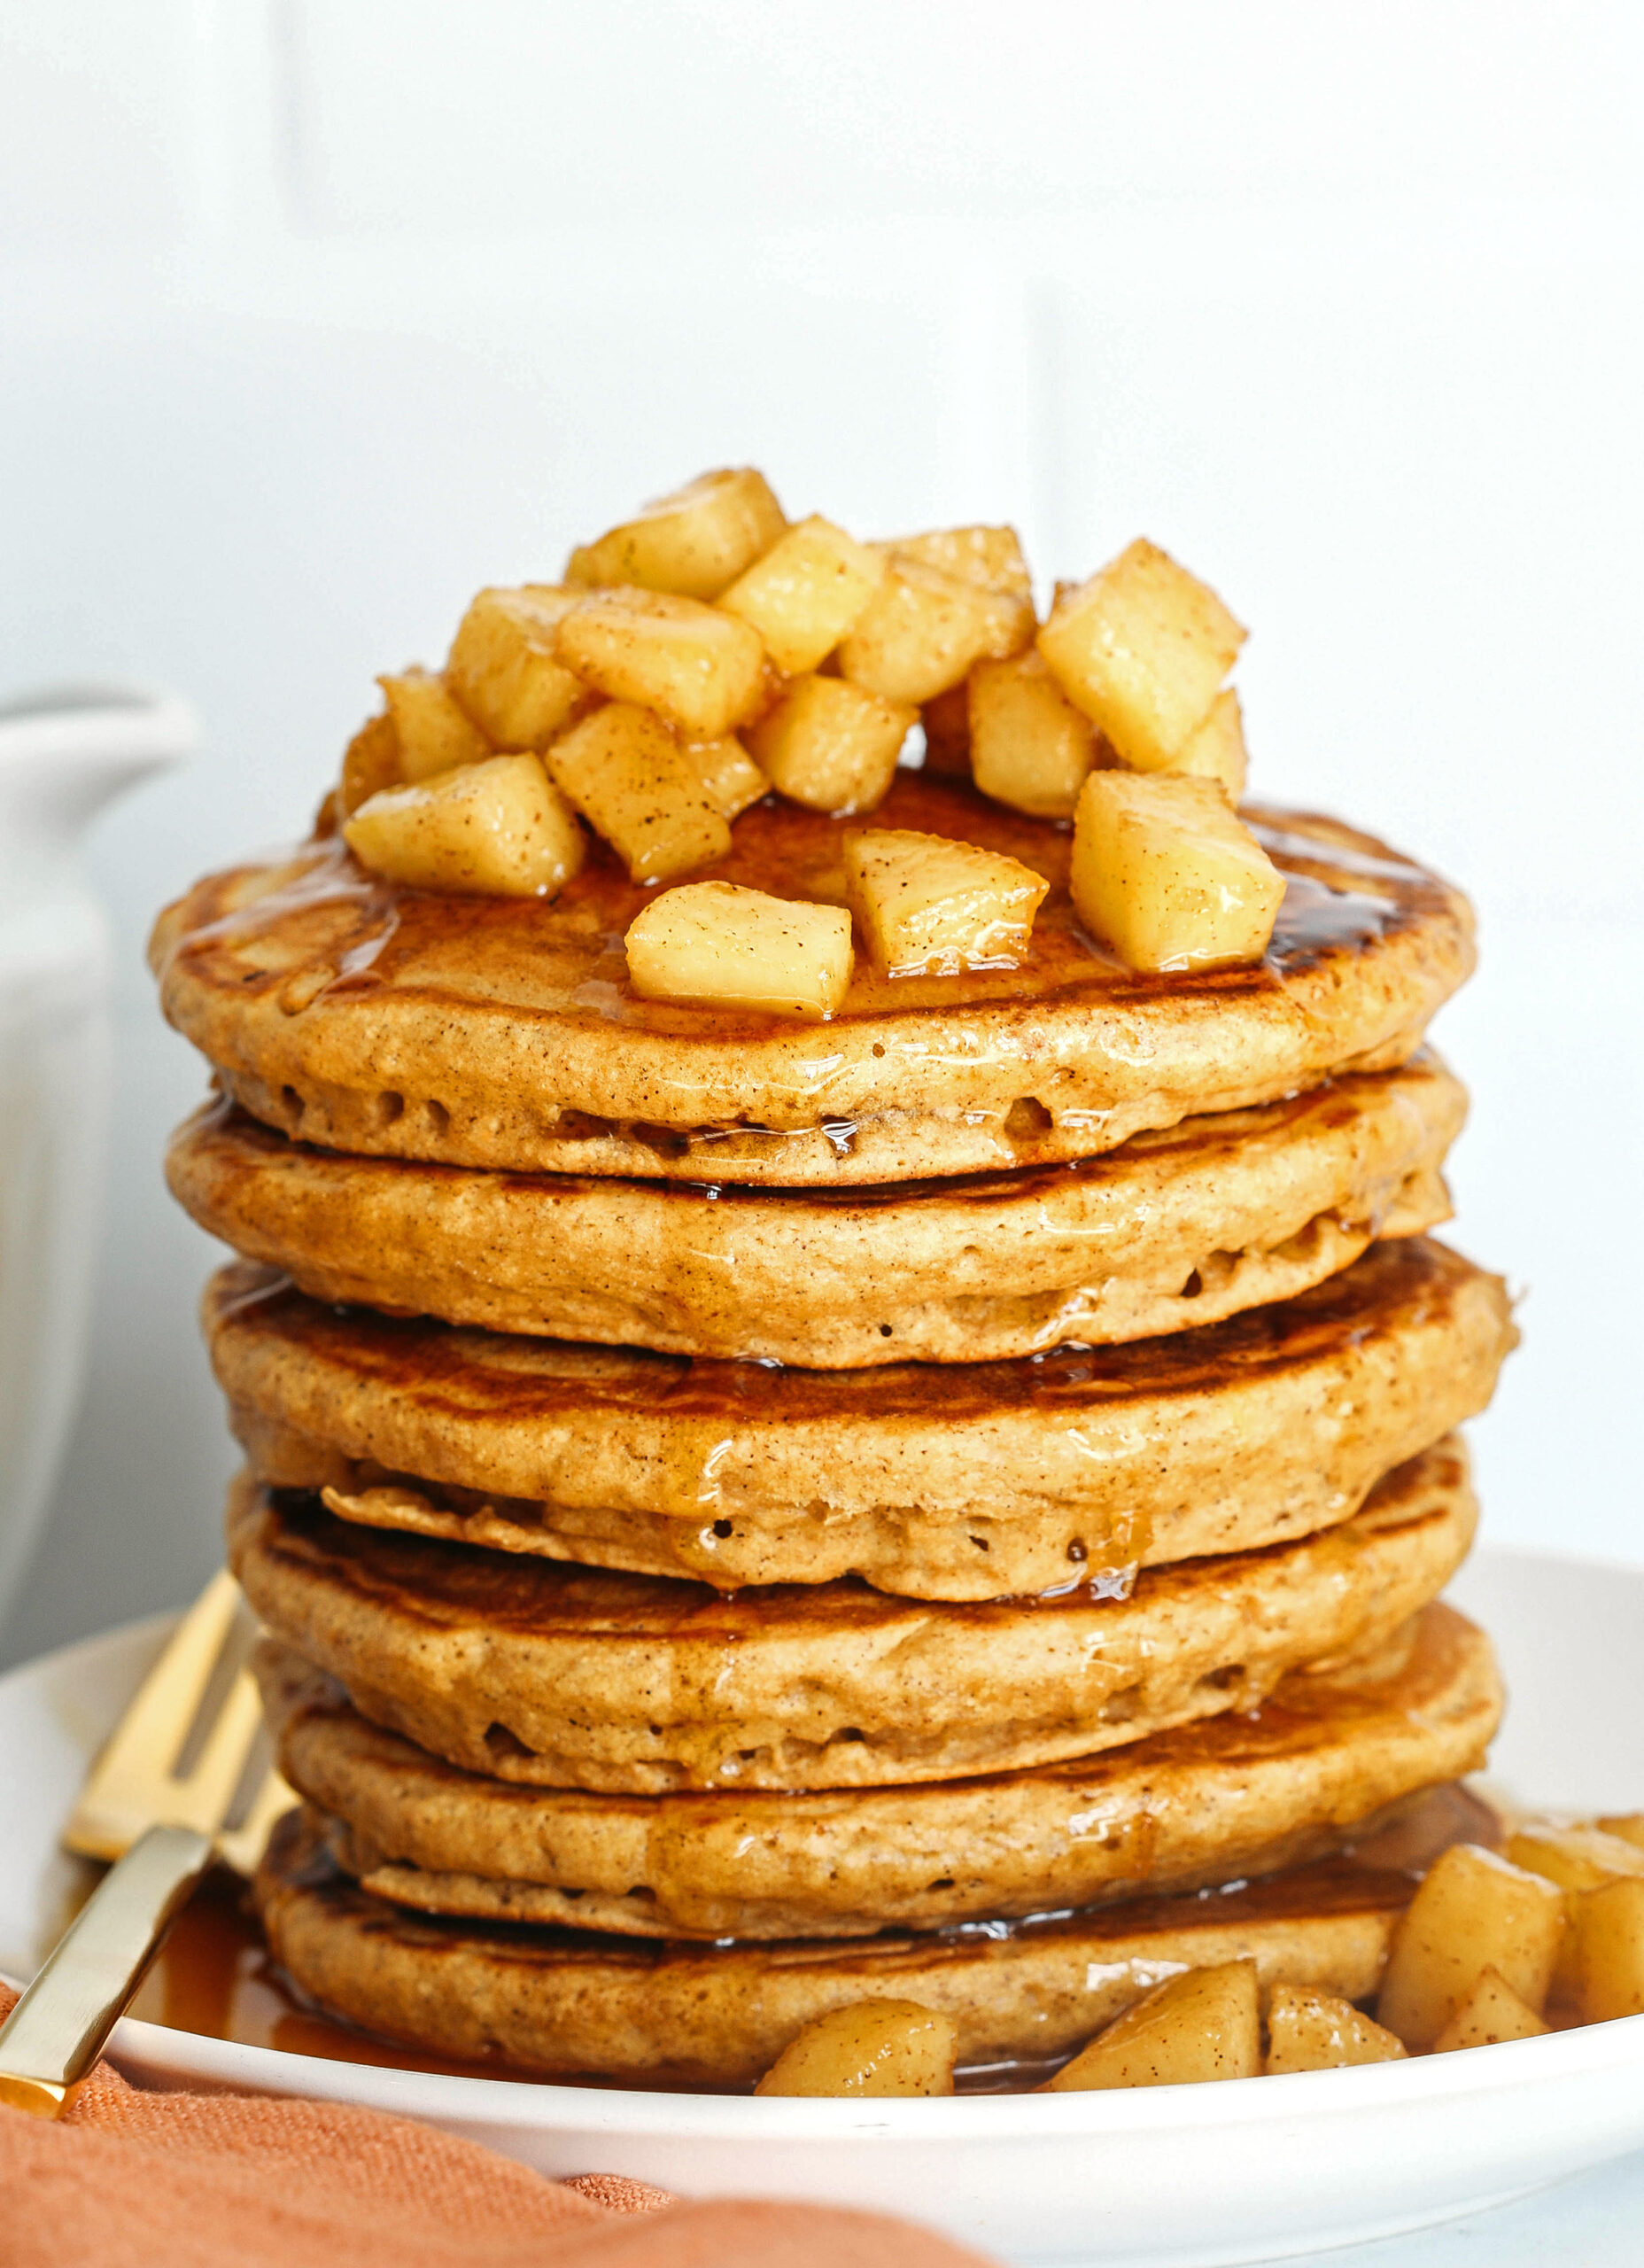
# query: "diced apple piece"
(1203, 2024)
(923, 629)
(831, 746)
(1629, 1825)
(703, 669)
(694, 543)
(991, 557)
(503, 671)
(1576, 1858)
(1491, 2012)
(495, 829)
(1474, 1911)
(806, 591)
(1165, 874)
(1030, 748)
(1142, 648)
(434, 734)
(928, 906)
(724, 945)
(733, 780)
(370, 763)
(1310, 2030)
(624, 772)
(1602, 1974)
(1215, 748)
(872, 2048)
(947, 723)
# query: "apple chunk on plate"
(872, 2047)
(694, 542)
(1165, 874)
(495, 829)
(719, 943)
(1474, 1911)
(928, 906)
(1204, 2023)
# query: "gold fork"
(163, 1798)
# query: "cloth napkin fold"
(133, 2179)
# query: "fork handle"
(55, 2033)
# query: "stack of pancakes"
(750, 1515)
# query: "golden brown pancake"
(564, 1676)
(1176, 1230)
(962, 1481)
(1245, 1792)
(503, 1033)
(570, 2004)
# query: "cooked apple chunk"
(701, 669)
(947, 723)
(721, 944)
(1310, 2030)
(830, 745)
(1629, 1825)
(694, 543)
(927, 906)
(806, 591)
(1474, 1911)
(1491, 2013)
(433, 733)
(1030, 748)
(503, 670)
(495, 829)
(1203, 2024)
(991, 557)
(1142, 648)
(1602, 1974)
(1215, 749)
(923, 629)
(1576, 1858)
(624, 772)
(370, 763)
(1165, 874)
(733, 780)
(872, 2048)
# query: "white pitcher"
(63, 755)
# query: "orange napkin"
(254, 2181)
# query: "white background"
(313, 316)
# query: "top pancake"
(503, 1033)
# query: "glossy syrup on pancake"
(516, 1040)
(215, 1977)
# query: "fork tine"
(130, 1786)
(242, 1847)
(201, 1798)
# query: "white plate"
(1191, 2176)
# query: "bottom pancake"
(568, 2004)
(1245, 1793)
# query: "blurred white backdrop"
(319, 313)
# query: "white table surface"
(1596, 2221)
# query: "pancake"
(956, 1482)
(1176, 1230)
(503, 1033)
(568, 2004)
(1244, 1792)
(569, 1677)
